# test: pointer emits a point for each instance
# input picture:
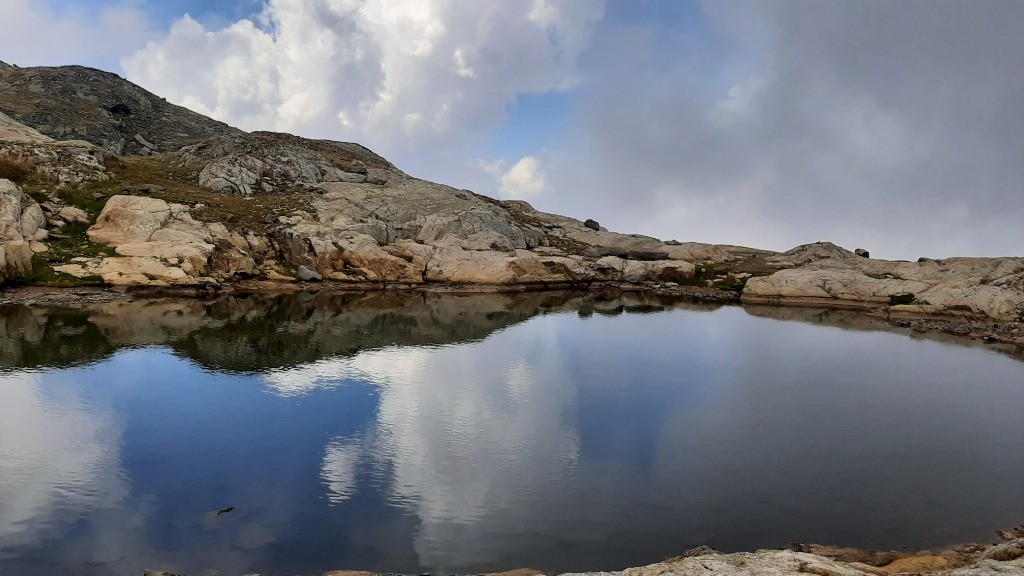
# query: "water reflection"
(58, 459)
(390, 432)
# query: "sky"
(893, 126)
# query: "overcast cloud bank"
(892, 126)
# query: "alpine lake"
(457, 434)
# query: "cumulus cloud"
(892, 126)
(394, 74)
(895, 126)
(525, 179)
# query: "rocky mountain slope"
(134, 191)
(77, 103)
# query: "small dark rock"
(223, 511)
(862, 253)
(142, 189)
(592, 224)
(307, 274)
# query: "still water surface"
(481, 433)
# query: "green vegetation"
(177, 183)
(731, 284)
(65, 244)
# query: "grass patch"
(44, 275)
(73, 243)
(731, 284)
(177, 183)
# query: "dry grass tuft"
(16, 169)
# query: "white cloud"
(34, 34)
(340, 468)
(392, 74)
(524, 180)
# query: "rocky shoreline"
(1009, 336)
(110, 185)
(1002, 558)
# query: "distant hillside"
(77, 103)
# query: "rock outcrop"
(269, 162)
(22, 230)
(77, 103)
(790, 563)
(231, 205)
(825, 274)
(25, 152)
(160, 244)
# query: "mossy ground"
(179, 184)
(68, 242)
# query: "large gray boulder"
(264, 162)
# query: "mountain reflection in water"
(410, 432)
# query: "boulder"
(15, 260)
(151, 229)
(824, 274)
(1006, 551)
(132, 271)
(307, 274)
(129, 219)
(70, 214)
(266, 162)
(592, 224)
(862, 253)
